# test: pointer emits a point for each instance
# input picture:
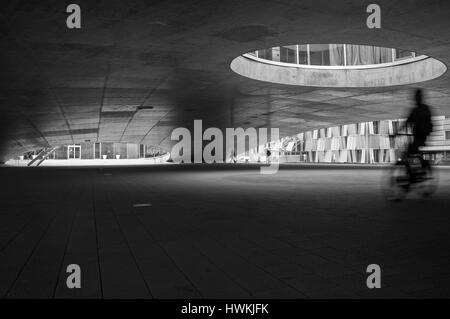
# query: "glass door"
(74, 152)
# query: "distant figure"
(268, 154)
(420, 121)
(233, 158)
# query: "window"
(376, 127)
(376, 156)
(400, 54)
(371, 66)
(96, 150)
(276, 54)
(385, 54)
(336, 53)
(447, 135)
(265, 54)
(141, 151)
(107, 150)
(319, 54)
(332, 54)
(395, 126)
(303, 54)
(367, 54)
(287, 54)
(74, 151)
(358, 156)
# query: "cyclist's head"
(418, 96)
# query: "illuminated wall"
(366, 142)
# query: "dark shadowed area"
(193, 231)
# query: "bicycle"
(411, 172)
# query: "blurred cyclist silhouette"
(419, 120)
(418, 168)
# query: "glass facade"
(107, 150)
(101, 151)
(302, 54)
(332, 54)
(400, 54)
(366, 142)
(288, 54)
(319, 54)
(97, 150)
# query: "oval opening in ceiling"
(337, 65)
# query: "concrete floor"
(218, 232)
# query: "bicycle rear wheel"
(429, 183)
(396, 182)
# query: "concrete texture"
(137, 69)
(192, 231)
(410, 73)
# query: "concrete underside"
(219, 231)
(415, 72)
(63, 86)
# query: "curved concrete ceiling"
(421, 70)
(138, 69)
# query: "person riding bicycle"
(418, 169)
(420, 121)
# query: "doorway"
(74, 152)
